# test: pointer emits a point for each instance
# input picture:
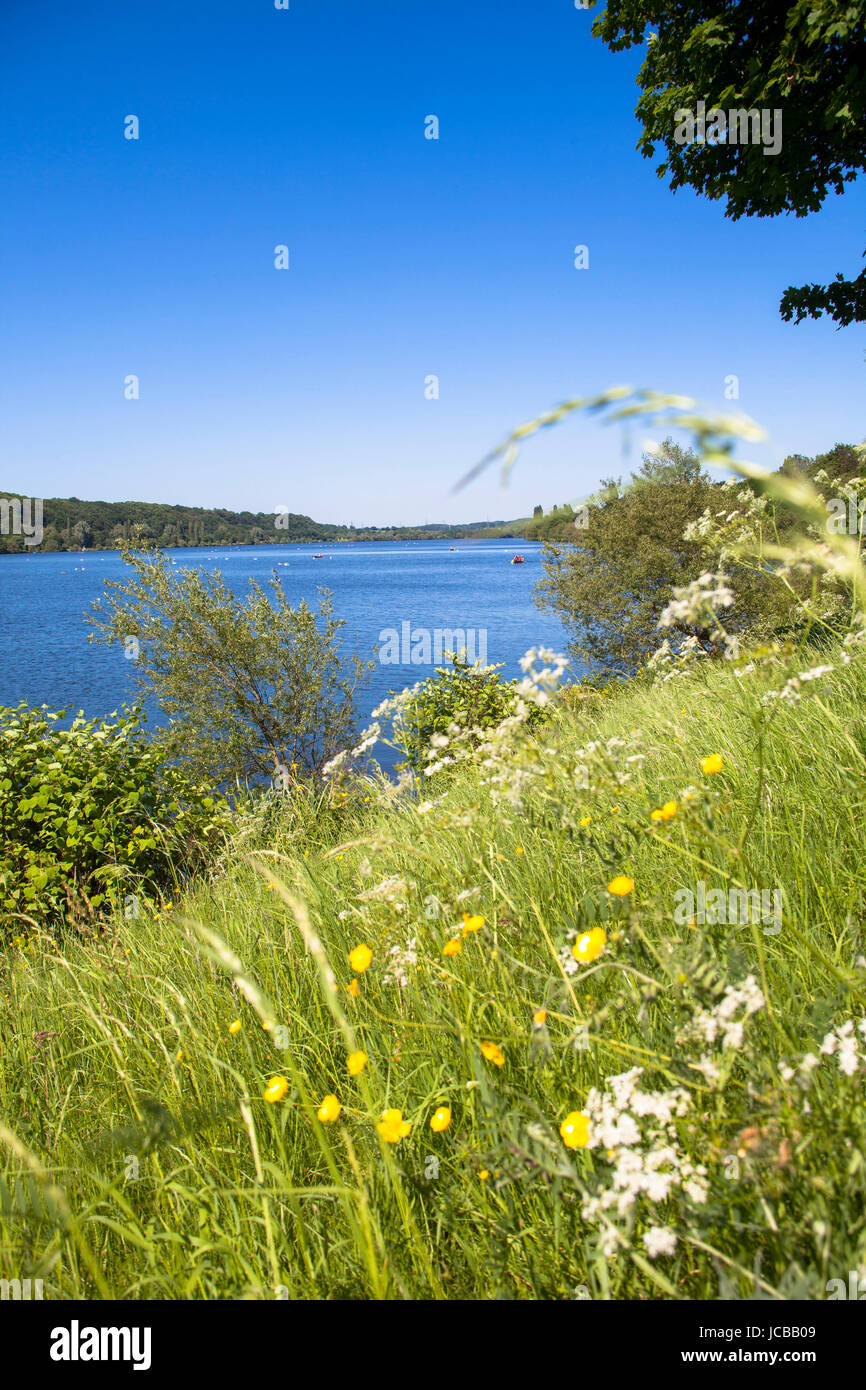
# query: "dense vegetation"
(194, 1105)
(254, 688)
(797, 60)
(93, 819)
(574, 1008)
(71, 524)
(612, 577)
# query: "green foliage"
(237, 1198)
(557, 524)
(70, 523)
(254, 689)
(90, 815)
(531, 965)
(801, 57)
(471, 697)
(612, 579)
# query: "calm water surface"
(45, 657)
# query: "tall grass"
(141, 1159)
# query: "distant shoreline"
(263, 545)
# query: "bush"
(475, 698)
(255, 690)
(90, 816)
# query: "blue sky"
(262, 388)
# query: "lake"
(377, 586)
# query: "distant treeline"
(68, 523)
(560, 523)
(71, 524)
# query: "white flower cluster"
(566, 957)
(728, 530)
(802, 1072)
(391, 890)
(538, 686)
(401, 960)
(637, 1131)
(659, 1240)
(853, 639)
(696, 603)
(791, 692)
(844, 1044)
(721, 1023)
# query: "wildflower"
(180, 1056)
(518, 850)
(484, 1174)
(585, 820)
(471, 924)
(493, 1053)
(329, 1110)
(401, 961)
(393, 1127)
(356, 1062)
(659, 1241)
(354, 988)
(235, 1026)
(589, 946)
(540, 1016)
(711, 764)
(440, 1119)
(276, 1089)
(620, 886)
(360, 958)
(575, 1130)
(666, 812)
(452, 947)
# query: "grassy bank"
(142, 1158)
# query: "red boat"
(518, 560)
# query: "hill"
(70, 523)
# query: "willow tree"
(253, 688)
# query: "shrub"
(90, 816)
(254, 689)
(474, 698)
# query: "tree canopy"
(806, 60)
(610, 580)
(254, 689)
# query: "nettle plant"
(92, 820)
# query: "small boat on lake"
(518, 560)
(319, 556)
